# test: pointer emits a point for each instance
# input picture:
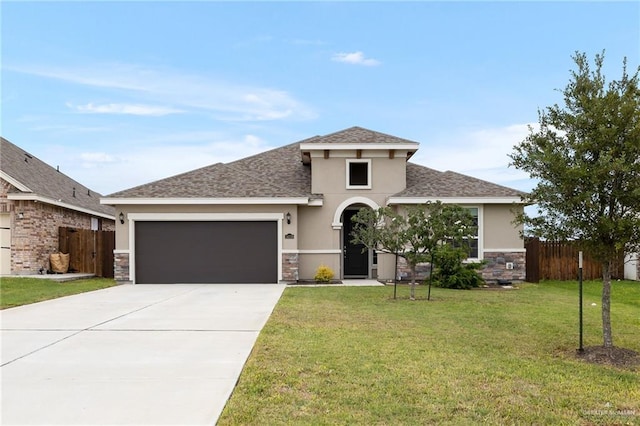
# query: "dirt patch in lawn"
(617, 357)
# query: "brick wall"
(34, 230)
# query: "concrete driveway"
(131, 354)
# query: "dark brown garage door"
(206, 252)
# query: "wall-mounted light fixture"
(20, 215)
(288, 216)
(121, 217)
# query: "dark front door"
(356, 262)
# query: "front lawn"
(16, 291)
(353, 355)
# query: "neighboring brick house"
(278, 215)
(35, 200)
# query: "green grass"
(353, 355)
(16, 291)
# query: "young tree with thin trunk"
(586, 159)
(414, 236)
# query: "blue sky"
(118, 94)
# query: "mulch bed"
(617, 357)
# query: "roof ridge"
(42, 163)
(363, 129)
(262, 153)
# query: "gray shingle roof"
(45, 181)
(425, 182)
(273, 174)
(280, 173)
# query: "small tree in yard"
(414, 236)
(586, 158)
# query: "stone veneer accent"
(496, 267)
(35, 236)
(290, 264)
(121, 272)
(494, 270)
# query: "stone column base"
(290, 266)
(121, 272)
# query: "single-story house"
(277, 216)
(35, 200)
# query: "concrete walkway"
(344, 283)
(130, 355)
(70, 276)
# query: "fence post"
(581, 348)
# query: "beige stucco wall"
(499, 232)
(386, 266)
(329, 176)
(309, 263)
(388, 176)
(320, 227)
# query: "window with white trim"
(472, 242)
(358, 174)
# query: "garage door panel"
(206, 252)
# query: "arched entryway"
(356, 262)
(355, 258)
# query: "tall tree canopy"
(586, 159)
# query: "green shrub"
(450, 271)
(324, 274)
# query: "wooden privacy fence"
(89, 251)
(558, 260)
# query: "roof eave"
(59, 203)
(14, 182)
(315, 146)
(212, 201)
(455, 200)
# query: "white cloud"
(225, 100)
(130, 109)
(97, 157)
(356, 58)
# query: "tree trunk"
(606, 304)
(395, 277)
(413, 282)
